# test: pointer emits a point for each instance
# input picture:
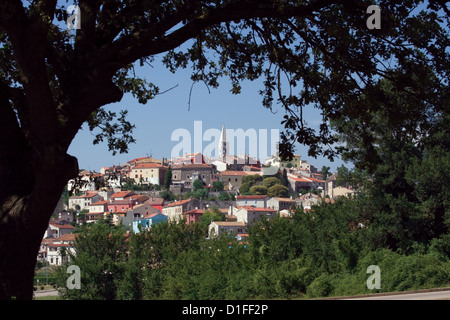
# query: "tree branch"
(152, 40)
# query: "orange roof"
(120, 194)
(62, 226)
(252, 197)
(67, 237)
(147, 165)
(89, 194)
(200, 211)
(99, 203)
(177, 203)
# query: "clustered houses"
(102, 196)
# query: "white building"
(219, 228)
(82, 202)
(258, 201)
(249, 214)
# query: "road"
(425, 295)
(45, 293)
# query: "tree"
(217, 186)
(252, 179)
(100, 252)
(53, 81)
(168, 178)
(325, 172)
(258, 190)
(284, 179)
(167, 195)
(198, 185)
(278, 190)
(270, 181)
(245, 188)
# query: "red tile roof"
(199, 211)
(177, 203)
(62, 226)
(252, 197)
(120, 194)
(147, 165)
(67, 237)
(99, 203)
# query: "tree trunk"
(30, 187)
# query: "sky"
(169, 113)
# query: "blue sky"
(159, 118)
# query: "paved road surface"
(434, 295)
(45, 293)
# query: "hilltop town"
(145, 191)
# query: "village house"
(294, 163)
(280, 204)
(118, 208)
(148, 173)
(157, 203)
(121, 195)
(55, 251)
(139, 211)
(220, 228)
(193, 216)
(186, 174)
(309, 168)
(60, 249)
(299, 183)
(141, 160)
(146, 223)
(232, 180)
(82, 202)
(333, 191)
(259, 201)
(174, 211)
(96, 210)
(83, 183)
(306, 201)
(250, 214)
(191, 158)
(56, 230)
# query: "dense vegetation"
(325, 252)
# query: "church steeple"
(223, 144)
